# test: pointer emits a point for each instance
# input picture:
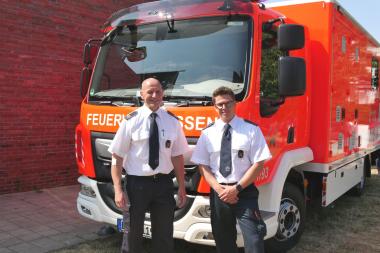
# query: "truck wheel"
(291, 219)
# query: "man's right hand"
(121, 200)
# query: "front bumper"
(192, 227)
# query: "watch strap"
(239, 188)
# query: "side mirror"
(292, 76)
(89, 52)
(84, 81)
(290, 37)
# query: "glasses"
(227, 105)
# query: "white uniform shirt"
(132, 142)
(248, 147)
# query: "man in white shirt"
(230, 153)
(152, 143)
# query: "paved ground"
(43, 221)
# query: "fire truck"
(305, 71)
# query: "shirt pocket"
(167, 142)
(213, 148)
(140, 140)
(240, 153)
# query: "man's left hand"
(181, 197)
(229, 194)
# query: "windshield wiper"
(192, 98)
(188, 100)
(117, 100)
(116, 103)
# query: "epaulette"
(131, 115)
(171, 114)
(250, 122)
(211, 124)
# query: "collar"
(234, 123)
(145, 111)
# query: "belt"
(228, 183)
(154, 177)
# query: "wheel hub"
(289, 220)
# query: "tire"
(291, 221)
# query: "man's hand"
(179, 170)
(181, 197)
(121, 200)
(229, 194)
(226, 193)
(219, 188)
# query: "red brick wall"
(40, 62)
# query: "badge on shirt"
(240, 153)
(168, 143)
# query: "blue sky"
(366, 12)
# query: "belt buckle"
(155, 177)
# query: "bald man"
(152, 143)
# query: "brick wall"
(40, 63)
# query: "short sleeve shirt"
(248, 146)
(131, 142)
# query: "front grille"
(101, 157)
(107, 194)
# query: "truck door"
(284, 120)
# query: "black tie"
(154, 144)
(225, 152)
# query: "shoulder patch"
(209, 125)
(171, 114)
(250, 122)
(131, 115)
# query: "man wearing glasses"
(230, 153)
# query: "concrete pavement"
(42, 221)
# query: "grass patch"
(112, 244)
(351, 224)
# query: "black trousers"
(156, 196)
(246, 212)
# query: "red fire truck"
(305, 71)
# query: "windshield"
(191, 58)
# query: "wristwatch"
(239, 188)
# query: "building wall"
(40, 64)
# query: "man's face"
(152, 93)
(225, 107)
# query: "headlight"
(87, 191)
(204, 212)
